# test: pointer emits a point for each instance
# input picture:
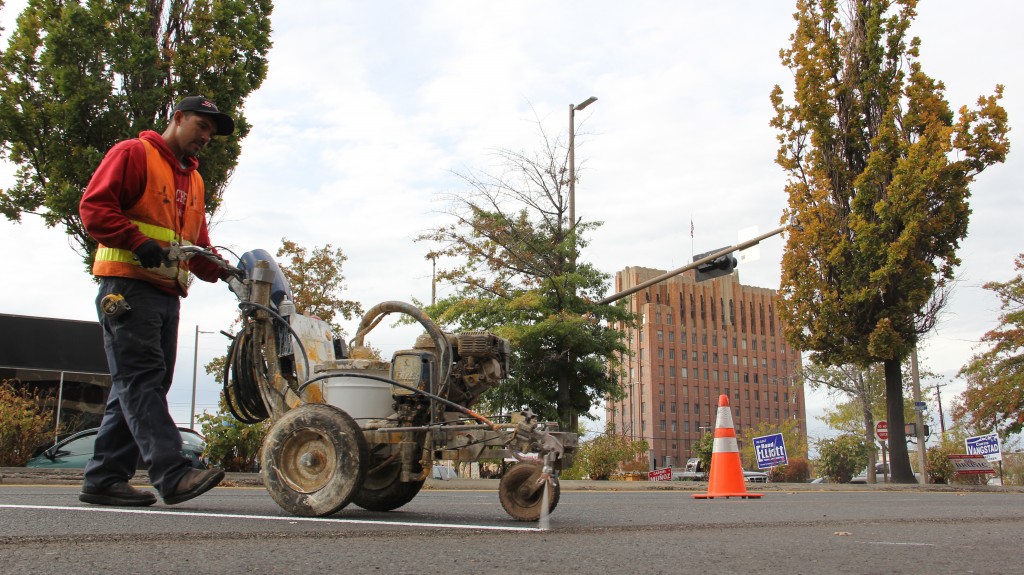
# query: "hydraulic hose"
(243, 371)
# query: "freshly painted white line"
(289, 519)
(897, 543)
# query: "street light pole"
(572, 157)
(195, 369)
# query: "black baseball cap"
(203, 105)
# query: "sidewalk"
(31, 476)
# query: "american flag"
(691, 229)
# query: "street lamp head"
(584, 103)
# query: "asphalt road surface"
(44, 529)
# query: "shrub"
(231, 444)
(24, 425)
(797, 471)
(602, 456)
(841, 457)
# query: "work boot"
(195, 483)
(117, 494)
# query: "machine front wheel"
(314, 460)
(522, 493)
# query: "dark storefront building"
(62, 360)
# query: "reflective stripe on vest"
(163, 236)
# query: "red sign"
(664, 474)
(882, 430)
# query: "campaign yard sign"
(987, 445)
(770, 451)
(970, 464)
(663, 474)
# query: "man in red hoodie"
(145, 195)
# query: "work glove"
(151, 255)
(238, 288)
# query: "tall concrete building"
(697, 341)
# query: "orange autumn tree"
(994, 398)
(879, 172)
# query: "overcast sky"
(368, 107)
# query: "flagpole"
(691, 236)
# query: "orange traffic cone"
(726, 477)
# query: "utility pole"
(922, 458)
(942, 419)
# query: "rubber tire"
(515, 504)
(314, 460)
(383, 490)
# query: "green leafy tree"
(879, 174)
(80, 76)
(518, 274)
(994, 397)
(24, 424)
(842, 457)
(704, 449)
(864, 405)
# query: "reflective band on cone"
(726, 476)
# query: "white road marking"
(897, 543)
(289, 519)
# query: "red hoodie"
(118, 183)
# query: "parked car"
(881, 474)
(692, 471)
(74, 451)
(755, 476)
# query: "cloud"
(367, 109)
